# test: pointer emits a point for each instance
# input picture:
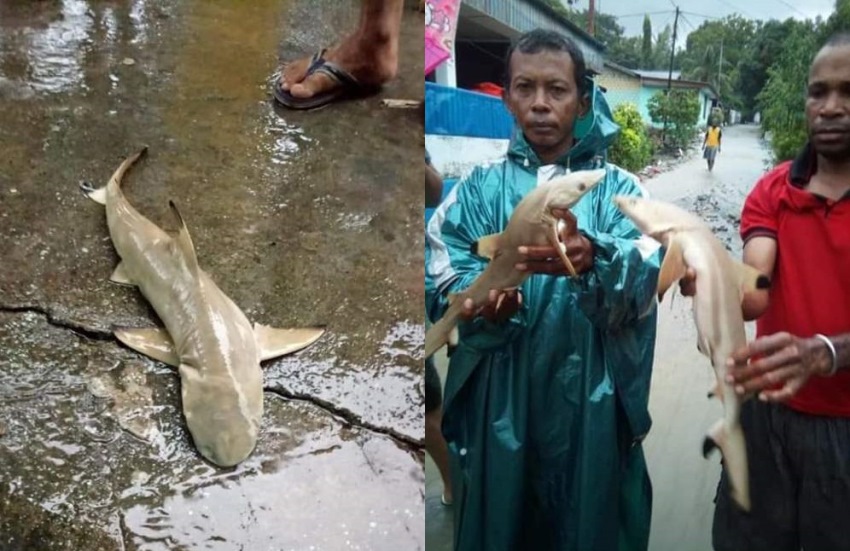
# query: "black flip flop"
(349, 87)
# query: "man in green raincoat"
(546, 395)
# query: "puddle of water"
(280, 142)
(49, 46)
(309, 501)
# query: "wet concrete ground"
(684, 484)
(301, 218)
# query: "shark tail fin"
(183, 240)
(730, 440)
(751, 279)
(98, 195)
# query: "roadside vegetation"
(757, 67)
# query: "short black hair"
(541, 40)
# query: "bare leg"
(370, 53)
(436, 446)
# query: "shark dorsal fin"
(183, 241)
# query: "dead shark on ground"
(720, 286)
(206, 336)
(532, 223)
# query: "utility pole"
(673, 50)
(591, 14)
(670, 72)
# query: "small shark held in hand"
(720, 283)
(532, 224)
(207, 337)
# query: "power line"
(701, 15)
(643, 13)
(667, 24)
(685, 19)
(794, 8)
(739, 10)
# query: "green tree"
(605, 27)
(680, 109)
(839, 20)
(702, 60)
(646, 50)
(782, 101)
(620, 49)
(631, 149)
(661, 50)
(627, 52)
(751, 72)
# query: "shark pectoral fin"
(120, 275)
(751, 279)
(555, 242)
(153, 342)
(672, 268)
(275, 342)
(183, 241)
(487, 246)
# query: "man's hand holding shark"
(775, 367)
(545, 259)
(537, 259)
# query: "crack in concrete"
(78, 328)
(345, 416)
(349, 418)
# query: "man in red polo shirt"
(796, 227)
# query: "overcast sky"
(751, 9)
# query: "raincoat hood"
(594, 133)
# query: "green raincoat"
(544, 414)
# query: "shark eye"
(582, 187)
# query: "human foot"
(356, 63)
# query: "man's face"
(544, 98)
(828, 103)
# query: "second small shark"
(720, 286)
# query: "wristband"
(831, 347)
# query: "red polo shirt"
(810, 287)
